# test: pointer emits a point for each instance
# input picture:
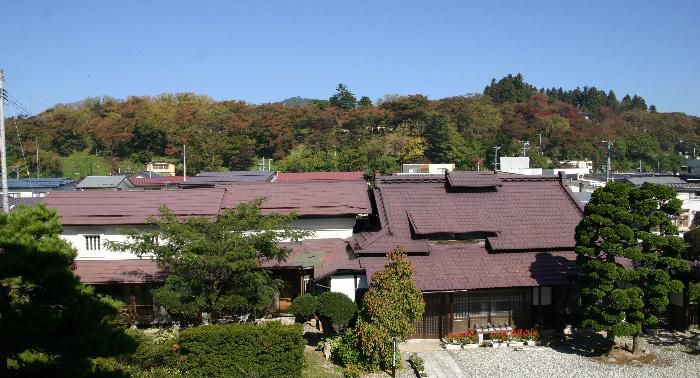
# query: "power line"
(19, 137)
(25, 94)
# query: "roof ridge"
(572, 197)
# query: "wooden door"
(434, 318)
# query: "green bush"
(346, 349)
(337, 307)
(153, 351)
(304, 307)
(243, 350)
(353, 371)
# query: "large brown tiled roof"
(320, 198)
(466, 267)
(516, 230)
(131, 207)
(118, 271)
(319, 176)
(528, 213)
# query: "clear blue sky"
(265, 51)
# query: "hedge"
(243, 350)
(337, 307)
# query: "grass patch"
(81, 164)
(316, 365)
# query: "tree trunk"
(636, 347)
(611, 342)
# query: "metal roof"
(100, 182)
(43, 182)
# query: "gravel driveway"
(550, 363)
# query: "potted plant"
(452, 341)
(469, 339)
(532, 337)
(498, 338)
(516, 338)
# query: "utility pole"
(607, 166)
(526, 147)
(495, 162)
(184, 162)
(3, 157)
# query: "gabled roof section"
(320, 198)
(319, 176)
(473, 180)
(526, 213)
(131, 207)
(101, 182)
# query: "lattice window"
(92, 243)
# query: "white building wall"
(323, 228)
(327, 228)
(348, 284)
(76, 236)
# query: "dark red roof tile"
(315, 198)
(319, 176)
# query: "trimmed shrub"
(336, 307)
(243, 350)
(304, 307)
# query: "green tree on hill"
(343, 98)
(630, 255)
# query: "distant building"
(588, 164)
(104, 183)
(519, 165)
(427, 168)
(37, 187)
(161, 168)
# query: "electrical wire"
(19, 137)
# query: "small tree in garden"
(392, 306)
(338, 308)
(630, 254)
(214, 264)
(304, 307)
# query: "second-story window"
(92, 243)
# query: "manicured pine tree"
(44, 309)
(630, 255)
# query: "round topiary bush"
(304, 307)
(337, 307)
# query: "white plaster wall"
(345, 285)
(327, 228)
(323, 228)
(76, 236)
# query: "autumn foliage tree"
(392, 306)
(630, 255)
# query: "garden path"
(441, 364)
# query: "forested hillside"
(344, 133)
